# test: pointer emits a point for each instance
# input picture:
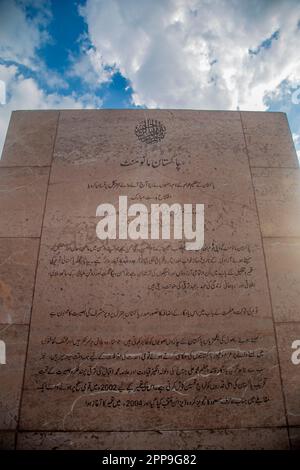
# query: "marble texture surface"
(277, 193)
(283, 265)
(287, 333)
(223, 439)
(7, 440)
(30, 138)
(294, 433)
(18, 259)
(11, 373)
(269, 140)
(22, 201)
(83, 285)
(144, 344)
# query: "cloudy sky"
(203, 54)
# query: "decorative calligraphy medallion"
(150, 131)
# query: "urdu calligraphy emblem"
(150, 131)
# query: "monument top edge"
(145, 110)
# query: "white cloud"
(19, 35)
(89, 67)
(195, 53)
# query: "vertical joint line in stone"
(34, 284)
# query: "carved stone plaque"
(143, 334)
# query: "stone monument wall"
(121, 344)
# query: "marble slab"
(22, 201)
(283, 265)
(7, 440)
(11, 373)
(18, 258)
(144, 335)
(294, 433)
(214, 439)
(30, 138)
(278, 199)
(287, 334)
(269, 140)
